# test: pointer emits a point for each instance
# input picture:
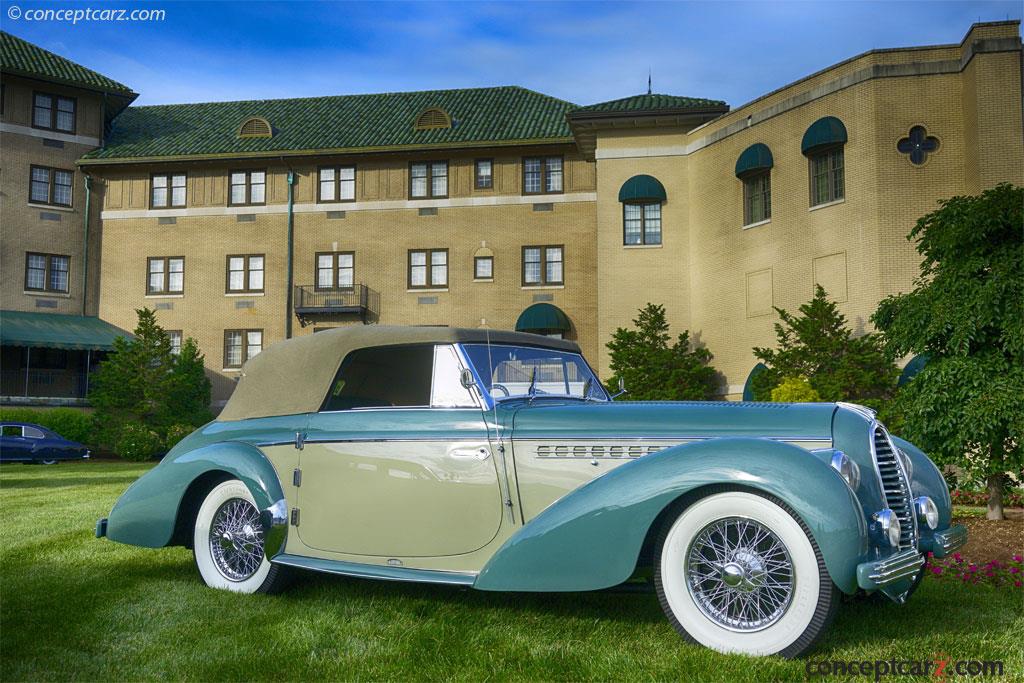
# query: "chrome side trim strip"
(382, 572)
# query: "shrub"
(1013, 499)
(795, 390)
(176, 433)
(74, 425)
(137, 442)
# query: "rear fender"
(592, 538)
(146, 513)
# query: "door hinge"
(300, 440)
(297, 477)
(295, 516)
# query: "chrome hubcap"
(739, 574)
(236, 539)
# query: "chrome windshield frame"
(597, 387)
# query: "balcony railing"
(43, 383)
(312, 302)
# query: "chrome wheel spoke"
(739, 574)
(236, 539)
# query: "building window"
(542, 266)
(484, 174)
(337, 184)
(483, 267)
(641, 223)
(50, 186)
(166, 275)
(918, 145)
(248, 188)
(175, 337)
(428, 268)
(757, 198)
(46, 272)
(240, 346)
(52, 112)
(827, 183)
(335, 270)
(542, 175)
(245, 273)
(428, 180)
(167, 190)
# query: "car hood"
(639, 419)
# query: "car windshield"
(509, 371)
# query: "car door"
(14, 446)
(398, 463)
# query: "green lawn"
(75, 607)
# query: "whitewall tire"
(228, 542)
(739, 572)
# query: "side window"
(447, 391)
(33, 433)
(11, 430)
(383, 377)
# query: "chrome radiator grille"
(895, 488)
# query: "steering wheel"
(496, 385)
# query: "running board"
(374, 571)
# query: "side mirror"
(467, 379)
(622, 389)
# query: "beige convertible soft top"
(293, 376)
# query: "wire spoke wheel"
(739, 574)
(236, 539)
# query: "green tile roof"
(484, 116)
(651, 102)
(22, 58)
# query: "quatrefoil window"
(918, 145)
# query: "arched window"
(255, 127)
(641, 197)
(433, 118)
(754, 169)
(823, 146)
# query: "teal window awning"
(754, 159)
(748, 386)
(543, 318)
(824, 132)
(57, 331)
(642, 188)
(910, 370)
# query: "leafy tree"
(142, 384)
(966, 407)
(795, 390)
(654, 370)
(817, 345)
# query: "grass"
(74, 607)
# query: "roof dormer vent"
(255, 127)
(432, 119)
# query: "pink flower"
(1018, 558)
(937, 571)
(1014, 570)
(958, 557)
(1017, 584)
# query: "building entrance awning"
(57, 331)
(543, 318)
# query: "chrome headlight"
(908, 464)
(927, 512)
(847, 469)
(889, 525)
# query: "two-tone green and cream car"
(496, 460)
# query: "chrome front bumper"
(944, 542)
(872, 576)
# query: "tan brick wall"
(380, 239)
(22, 224)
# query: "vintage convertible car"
(496, 460)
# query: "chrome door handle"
(467, 452)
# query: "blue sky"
(580, 51)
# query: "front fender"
(146, 513)
(591, 538)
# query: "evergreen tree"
(654, 370)
(817, 345)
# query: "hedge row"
(74, 425)
(1012, 498)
